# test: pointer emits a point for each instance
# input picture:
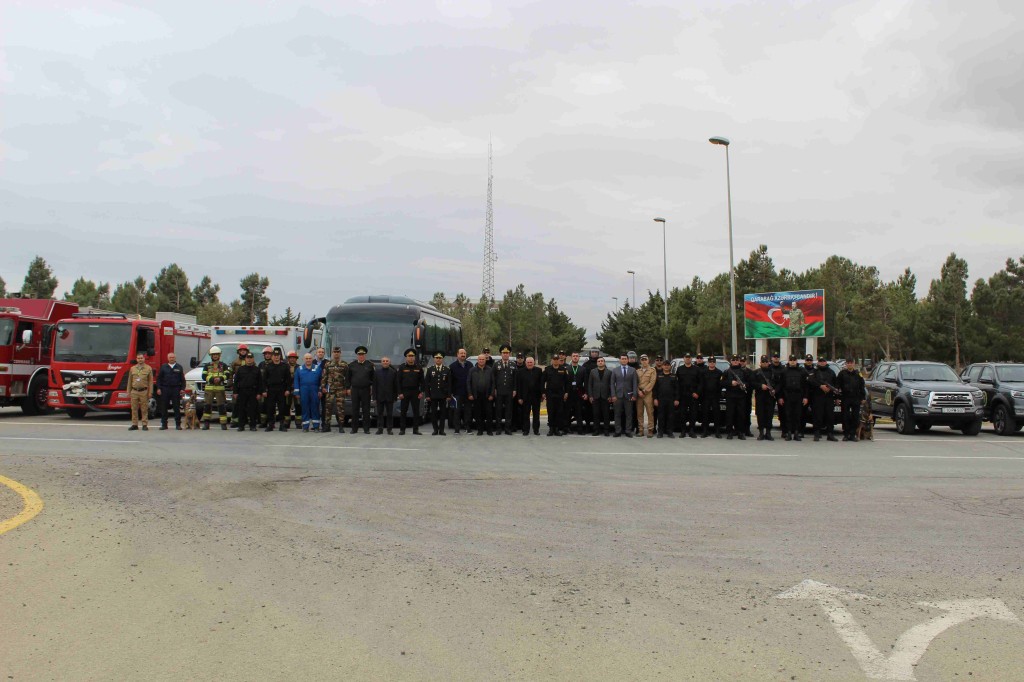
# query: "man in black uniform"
(556, 392)
(504, 391)
(529, 392)
(248, 389)
(748, 378)
(268, 354)
(710, 394)
(277, 381)
(589, 366)
(481, 394)
(735, 400)
(517, 408)
(490, 361)
(775, 369)
(360, 384)
(385, 390)
(808, 416)
(438, 381)
(699, 363)
(574, 406)
(410, 391)
(792, 392)
(822, 384)
(688, 376)
(666, 399)
(851, 389)
(764, 388)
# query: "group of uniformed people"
(502, 395)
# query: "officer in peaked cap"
(360, 381)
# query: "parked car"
(919, 395)
(1002, 384)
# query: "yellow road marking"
(33, 505)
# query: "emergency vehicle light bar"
(253, 332)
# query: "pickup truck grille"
(951, 400)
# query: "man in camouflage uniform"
(140, 384)
(796, 321)
(333, 386)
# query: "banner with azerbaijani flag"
(773, 315)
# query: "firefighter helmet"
(242, 346)
(214, 350)
(292, 354)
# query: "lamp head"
(719, 140)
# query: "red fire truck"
(92, 353)
(25, 325)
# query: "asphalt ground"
(213, 555)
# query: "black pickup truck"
(1003, 386)
(924, 394)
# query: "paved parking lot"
(233, 556)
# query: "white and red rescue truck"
(25, 325)
(93, 352)
(229, 337)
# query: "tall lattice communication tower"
(489, 255)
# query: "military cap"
(631, 354)
(687, 355)
(822, 358)
(505, 349)
(520, 355)
(360, 350)
(438, 355)
(336, 349)
(554, 356)
(658, 357)
(764, 358)
(792, 357)
(562, 353)
(644, 357)
(486, 350)
(735, 358)
(277, 351)
(776, 355)
(699, 356)
(409, 351)
(711, 358)
(809, 357)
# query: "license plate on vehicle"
(953, 410)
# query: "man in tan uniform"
(646, 377)
(140, 388)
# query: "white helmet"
(214, 350)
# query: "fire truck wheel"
(76, 413)
(35, 402)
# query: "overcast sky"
(340, 148)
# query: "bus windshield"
(6, 331)
(386, 338)
(84, 342)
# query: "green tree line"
(168, 291)
(865, 316)
(527, 322)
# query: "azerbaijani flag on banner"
(767, 316)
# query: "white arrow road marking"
(911, 645)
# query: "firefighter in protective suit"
(217, 375)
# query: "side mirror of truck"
(26, 337)
(889, 380)
(986, 381)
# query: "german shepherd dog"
(866, 427)
(191, 418)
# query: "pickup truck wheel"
(924, 427)
(1002, 421)
(76, 413)
(904, 420)
(972, 429)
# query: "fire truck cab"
(93, 352)
(25, 325)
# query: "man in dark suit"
(170, 383)
(481, 394)
(623, 390)
(529, 389)
(599, 389)
(460, 392)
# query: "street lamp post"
(616, 299)
(732, 270)
(664, 245)
(633, 272)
